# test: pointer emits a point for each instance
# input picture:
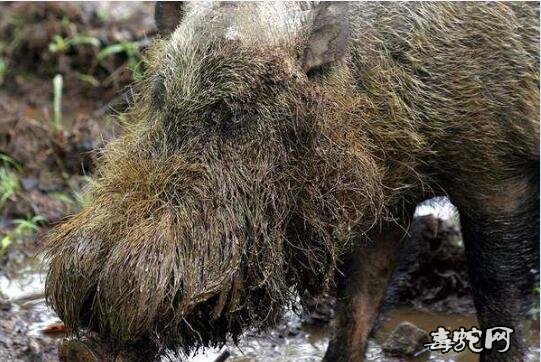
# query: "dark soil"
(52, 164)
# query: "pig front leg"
(361, 291)
(501, 236)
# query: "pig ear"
(327, 41)
(167, 15)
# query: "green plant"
(16, 20)
(23, 228)
(7, 160)
(5, 243)
(61, 45)
(9, 180)
(62, 197)
(57, 102)
(87, 78)
(131, 49)
(9, 184)
(103, 14)
(65, 23)
(77, 198)
(3, 69)
(58, 44)
(82, 39)
(27, 227)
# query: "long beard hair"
(190, 238)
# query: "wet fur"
(241, 179)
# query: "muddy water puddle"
(311, 342)
(293, 342)
(25, 291)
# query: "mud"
(51, 163)
(30, 331)
(26, 324)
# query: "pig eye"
(238, 116)
(229, 120)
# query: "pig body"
(272, 143)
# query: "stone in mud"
(33, 352)
(405, 340)
(5, 304)
(29, 183)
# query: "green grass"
(87, 78)
(103, 14)
(16, 21)
(3, 69)
(132, 51)
(23, 228)
(5, 242)
(76, 197)
(9, 184)
(9, 179)
(57, 102)
(27, 227)
(9, 161)
(60, 44)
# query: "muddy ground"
(48, 154)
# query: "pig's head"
(239, 181)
